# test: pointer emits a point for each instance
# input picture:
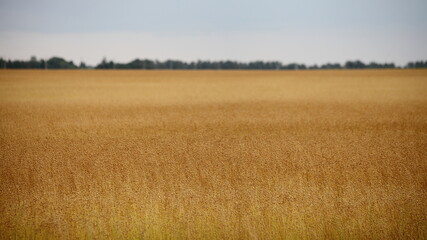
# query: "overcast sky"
(304, 31)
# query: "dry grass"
(213, 155)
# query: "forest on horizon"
(60, 63)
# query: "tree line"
(60, 63)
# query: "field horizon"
(210, 154)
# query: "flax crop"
(213, 154)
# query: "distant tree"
(354, 65)
(34, 63)
(43, 64)
(105, 64)
(331, 66)
(3, 63)
(60, 63)
(33, 59)
(417, 64)
(294, 66)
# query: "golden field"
(213, 154)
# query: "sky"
(303, 31)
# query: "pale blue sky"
(307, 31)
